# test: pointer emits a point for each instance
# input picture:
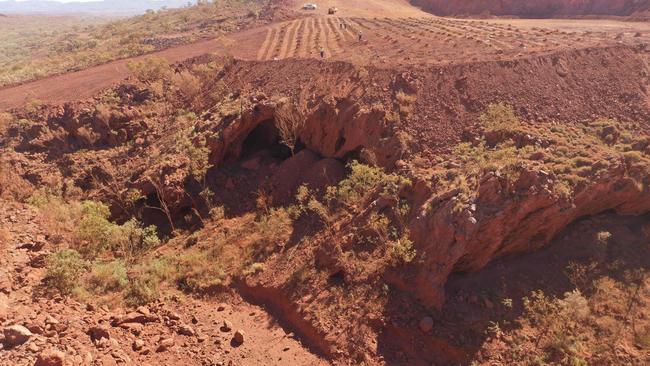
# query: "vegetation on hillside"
(38, 46)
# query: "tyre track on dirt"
(283, 45)
(261, 54)
(307, 38)
(289, 41)
(268, 50)
(319, 38)
(298, 38)
(349, 29)
(335, 47)
(273, 44)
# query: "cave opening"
(266, 138)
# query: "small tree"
(290, 120)
(159, 188)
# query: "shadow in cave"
(474, 300)
(241, 179)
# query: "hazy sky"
(63, 1)
(69, 1)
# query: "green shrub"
(141, 290)
(63, 270)
(198, 271)
(198, 156)
(96, 234)
(272, 228)
(499, 117)
(401, 251)
(150, 69)
(632, 156)
(132, 238)
(108, 277)
(406, 102)
(161, 269)
(94, 231)
(362, 180)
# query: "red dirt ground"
(265, 343)
(452, 69)
(408, 37)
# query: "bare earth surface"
(403, 36)
(394, 85)
(194, 326)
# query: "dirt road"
(394, 34)
(86, 83)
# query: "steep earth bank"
(473, 189)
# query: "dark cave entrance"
(266, 137)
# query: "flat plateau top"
(427, 40)
(393, 33)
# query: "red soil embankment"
(87, 83)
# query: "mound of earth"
(348, 225)
(534, 9)
(281, 209)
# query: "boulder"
(97, 333)
(239, 337)
(227, 326)
(16, 335)
(138, 344)
(50, 358)
(165, 344)
(186, 330)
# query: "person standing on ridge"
(322, 52)
(360, 36)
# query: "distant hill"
(118, 7)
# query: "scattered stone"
(165, 344)
(51, 320)
(227, 326)
(121, 357)
(221, 307)
(134, 317)
(239, 337)
(98, 333)
(50, 358)
(143, 310)
(38, 260)
(135, 328)
(426, 324)
(34, 328)
(16, 335)
(33, 347)
(186, 330)
(138, 344)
